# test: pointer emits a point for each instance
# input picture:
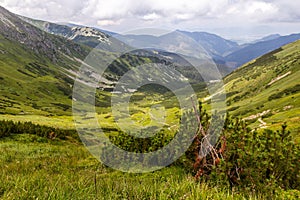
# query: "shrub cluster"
(245, 159)
(255, 160)
(260, 161)
(288, 91)
(8, 128)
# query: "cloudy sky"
(233, 19)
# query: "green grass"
(63, 122)
(31, 84)
(39, 168)
(249, 90)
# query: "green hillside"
(31, 83)
(38, 69)
(266, 91)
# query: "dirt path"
(257, 115)
(279, 77)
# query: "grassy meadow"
(33, 167)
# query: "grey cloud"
(129, 14)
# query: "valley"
(48, 79)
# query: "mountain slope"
(214, 44)
(266, 91)
(91, 37)
(267, 38)
(227, 54)
(40, 42)
(37, 68)
(97, 39)
(176, 42)
(258, 49)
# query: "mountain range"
(39, 62)
(255, 50)
(222, 51)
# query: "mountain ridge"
(223, 51)
(252, 51)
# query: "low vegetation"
(287, 91)
(8, 128)
(244, 164)
(271, 82)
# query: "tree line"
(8, 127)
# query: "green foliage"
(255, 164)
(258, 162)
(261, 161)
(135, 144)
(8, 128)
(64, 170)
(288, 91)
(270, 82)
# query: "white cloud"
(257, 11)
(288, 10)
(188, 14)
(151, 16)
(107, 22)
(110, 9)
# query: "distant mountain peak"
(213, 43)
(255, 50)
(89, 36)
(89, 32)
(267, 38)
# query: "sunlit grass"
(38, 168)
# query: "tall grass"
(32, 167)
